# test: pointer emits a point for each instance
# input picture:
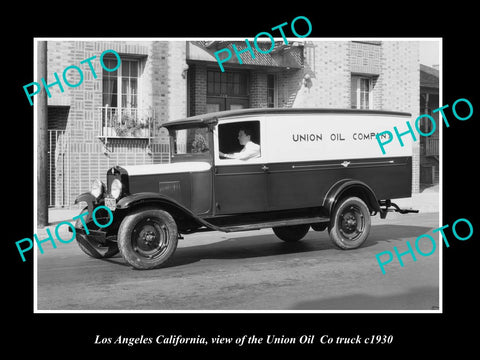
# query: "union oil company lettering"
(368, 136)
(316, 137)
(306, 137)
(312, 137)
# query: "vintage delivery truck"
(291, 170)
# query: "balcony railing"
(431, 146)
(127, 122)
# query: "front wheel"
(350, 223)
(147, 238)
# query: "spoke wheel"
(150, 238)
(350, 223)
(147, 238)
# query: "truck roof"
(213, 116)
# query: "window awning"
(282, 56)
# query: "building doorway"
(227, 90)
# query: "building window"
(121, 116)
(120, 87)
(227, 90)
(226, 83)
(361, 92)
(271, 91)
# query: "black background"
(68, 335)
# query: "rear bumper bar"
(388, 205)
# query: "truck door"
(240, 185)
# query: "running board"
(270, 224)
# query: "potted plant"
(126, 125)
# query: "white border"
(35, 144)
(440, 174)
(35, 188)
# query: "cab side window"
(239, 140)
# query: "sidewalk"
(426, 201)
(57, 215)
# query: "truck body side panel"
(304, 154)
(302, 184)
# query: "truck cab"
(292, 170)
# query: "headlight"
(116, 188)
(97, 188)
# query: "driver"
(250, 149)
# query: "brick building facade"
(116, 117)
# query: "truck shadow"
(255, 246)
(418, 298)
(269, 245)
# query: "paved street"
(252, 271)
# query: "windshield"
(189, 141)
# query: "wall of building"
(400, 88)
(198, 99)
(328, 86)
(177, 80)
(392, 65)
(258, 89)
(85, 155)
(324, 81)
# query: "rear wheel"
(147, 238)
(350, 223)
(291, 233)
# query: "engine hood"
(172, 168)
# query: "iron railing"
(431, 146)
(58, 168)
(127, 122)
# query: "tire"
(291, 233)
(91, 247)
(350, 223)
(147, 238)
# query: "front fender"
(152, 198)
(146, 198)
(89, 199)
